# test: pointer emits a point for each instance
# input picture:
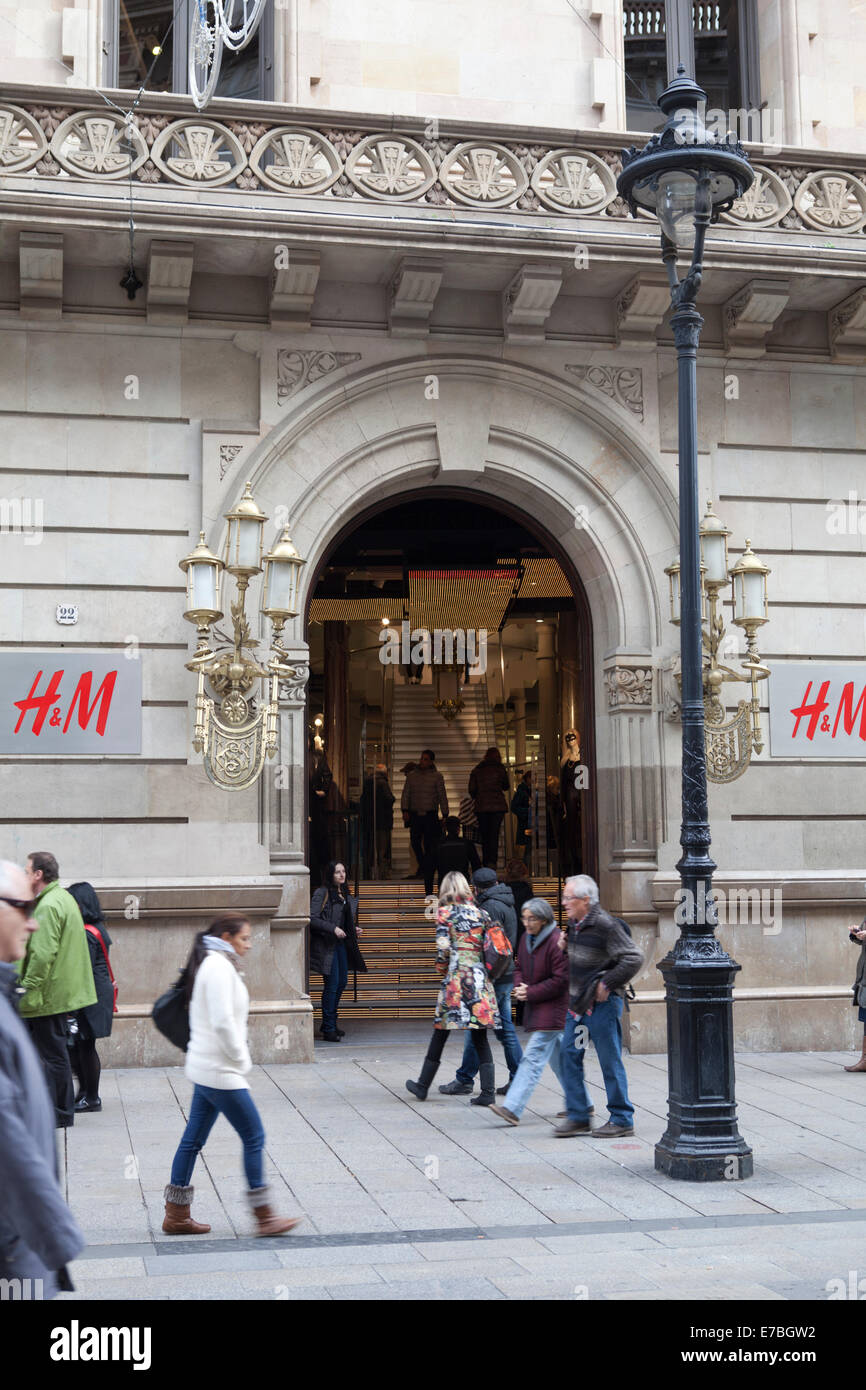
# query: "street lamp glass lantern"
(282, 575)
(243, 556)
(673, 573)
(749, 577)
(203, 572)
(714, 548)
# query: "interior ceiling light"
(450, 599)
(355, 610)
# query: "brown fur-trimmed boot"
(861, 1065)
(267, 1221)
(178, 1221)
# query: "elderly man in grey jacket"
(38, 1236)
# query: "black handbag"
(170, 1013)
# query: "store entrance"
(450, 626)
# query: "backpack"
(498, 955)
(97, 936)
(170, 1013)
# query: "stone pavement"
(441, 1200)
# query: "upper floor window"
(148, 41)
(724, 38)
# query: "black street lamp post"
(686, 176)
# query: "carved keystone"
(528, 300)
(413, 294)
(749, 317)
(169, 276)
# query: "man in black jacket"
(38, 1236)
(455, 854)
(497, 900)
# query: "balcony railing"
(57, 140)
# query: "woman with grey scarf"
(217, 1063)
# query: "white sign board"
(69, 702)
(818, 710)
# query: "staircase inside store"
(459, 744)
(399, 946)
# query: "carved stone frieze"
(390, 166)
(487, 175)
(573, 181)
(228, 454)
(99, 145)
(763, 204)
(831, 200)
(624, 385)
(296, 160)
(293, 687)
(22, 140)
(205, 153)
(629, 687)
(297, 369)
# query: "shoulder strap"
(98, 935)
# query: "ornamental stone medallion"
(573, 181)
(831, 200)
(390, 166)
(292, 158)
(98, 145)
(483, 175)
(204, 153)
(22, 140)
(763, 204)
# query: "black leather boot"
(420, 1087)
(487, 1074)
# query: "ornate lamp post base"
(702, 1142)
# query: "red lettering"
(814, 710)
(82, 693)
(845, 712)
(41, 703)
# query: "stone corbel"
(641, 308)
(846, 327)
(412, 296)
(40, 268)
(169, 277)
(528, 300)
(293, 687)
(629, 687)
(293, 289)
(749, 318)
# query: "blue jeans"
(335, 983)
(468, 1069)
(543, 1047)
(605, 1030)
(240, 1110)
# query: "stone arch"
(545, 447)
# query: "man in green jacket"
(57, 979)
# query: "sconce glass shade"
(244, 542)
(714, 548)
(203, 572)
(282, 574)
(673, 573)
(749, 577)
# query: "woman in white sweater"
(217, 1062)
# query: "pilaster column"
(519, 702)
(631, 783)
(336, 729)
(283, 791)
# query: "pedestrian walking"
(602, 959)
(334, 949)
(423, 797)
(541, 983)
(95, 1021)
(217, 1063)
(488, 783)
(466, 998)
(56, 979)
(858, 936)
(521, 806)
(38, 1236)
(497, 901)
(455, 854)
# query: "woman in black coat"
(858, 936)
(334, 949)
(95, 1021)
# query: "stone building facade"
(420, 206)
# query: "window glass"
(144, 41)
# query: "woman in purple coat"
(541, 981)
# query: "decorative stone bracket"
(528, 301)
(40, 268)
(293, 289)
(846, 327)
(413, 294)
(748, 318)
(641, 308)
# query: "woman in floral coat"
(466, 997)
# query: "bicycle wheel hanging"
(205, 50)
(239, 20)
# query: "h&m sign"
(818, 710)
(75, 703)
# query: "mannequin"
(572, 856)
